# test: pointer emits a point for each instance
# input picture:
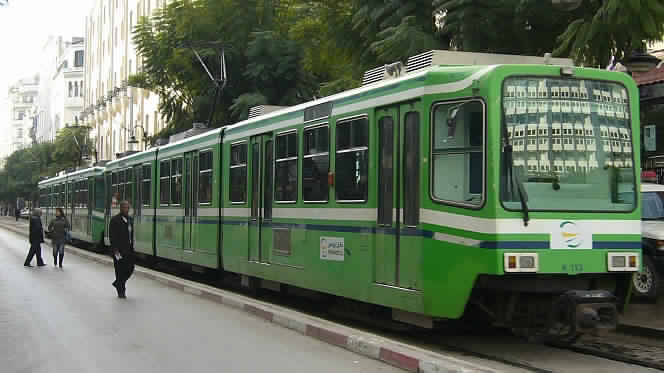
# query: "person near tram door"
(59, 230)
(36, 239)
(122, 247)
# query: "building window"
(352, 160)
(78, 58)
(238, 173)
(75, 89)
(71, 89)
(205, 178)
(316, 164)
(286, 168)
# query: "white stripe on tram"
(516, 226)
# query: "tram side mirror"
(452, 114)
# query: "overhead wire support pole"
(220, 83)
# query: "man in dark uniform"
(36, 239)
(122, 247)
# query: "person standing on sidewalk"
(58, 229)
(36, 239)
(17, 213)
(122, 247)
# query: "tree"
(172, 70)
(67, 151)
(602, 29)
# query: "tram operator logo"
(570, 234)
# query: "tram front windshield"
(567, 145)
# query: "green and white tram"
(497, 183)
(80, 195)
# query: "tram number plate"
(572, 268)
(332, 248)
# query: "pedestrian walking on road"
(59, 229)
(17, 213)
(121, 231)
(36, 239)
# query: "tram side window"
(458, 152)
(238, 173)
(99, 193)
(164, 183)
(205, 177)
(176, 181)
(114, 188)
(285, 183)
(352, 160)
(146, 185)
(129, 187)
(70, 190)
(62, 202)
(316, 164)
(121, 185)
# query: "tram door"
(261, 161)
(397, 256)
(190, 235)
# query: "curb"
(640, 331)
(408, 358)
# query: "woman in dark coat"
(58, 229)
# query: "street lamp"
(132, 139)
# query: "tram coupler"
(591, 311)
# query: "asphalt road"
(70, 320)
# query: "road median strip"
(409, 358)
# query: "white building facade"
(61, 89)
(22, 97)
(113, 110)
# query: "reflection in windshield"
(571, 144)
(653, 205)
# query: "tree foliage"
(607, 28)
(24, 168)
(283, 52)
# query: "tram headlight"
(623, 262)
(521, 262)
(618, 261)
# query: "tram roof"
(131, 159)
(86, 172)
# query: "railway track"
(644, 355)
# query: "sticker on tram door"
(571, 235)
(332, 248)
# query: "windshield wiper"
(523, 197)
(511, 180)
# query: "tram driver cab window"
(458, 152)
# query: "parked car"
(647, 282)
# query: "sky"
(24, 28)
